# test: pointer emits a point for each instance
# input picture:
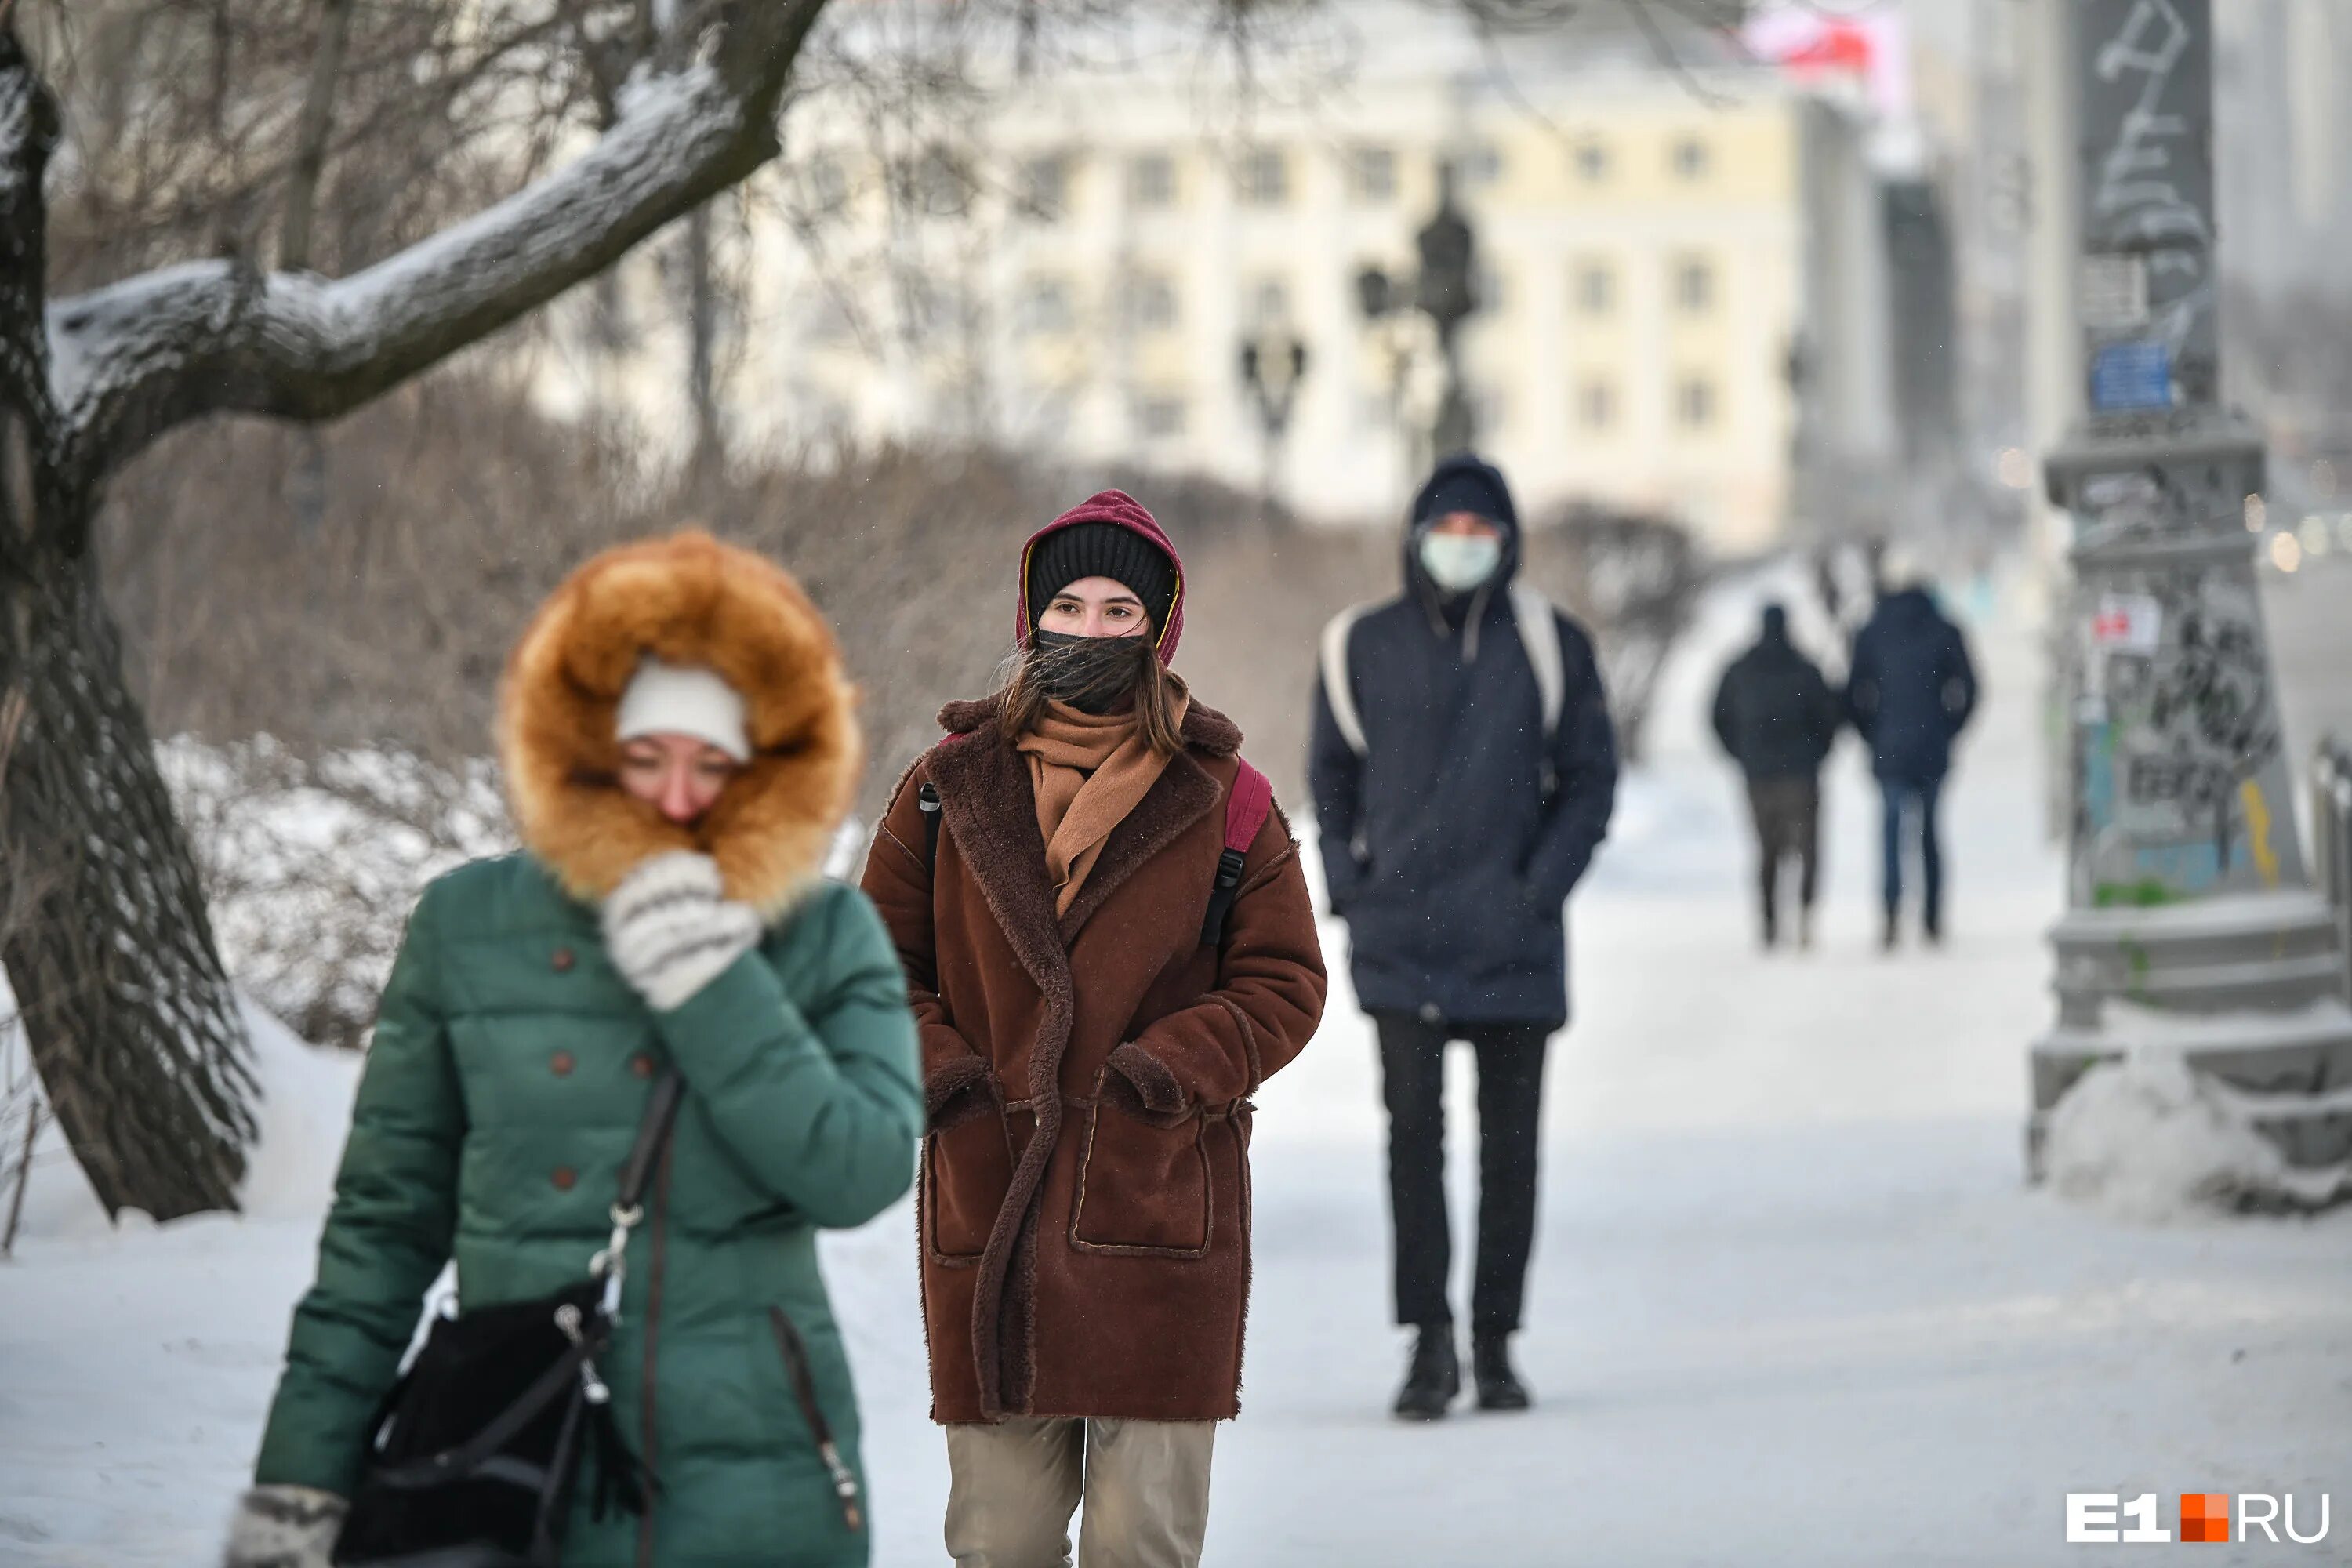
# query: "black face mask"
(1093, 675)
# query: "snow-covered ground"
(1791, 1302)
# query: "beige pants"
(1015, 1484)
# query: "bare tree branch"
(311, 137)
(133, 360)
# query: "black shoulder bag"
(473, 1455)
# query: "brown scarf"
(1087, 771)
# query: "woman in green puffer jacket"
(679, 749)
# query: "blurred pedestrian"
(1463, 768)
(1110, 944)
(679, 747)
(1910, 691)
(1777, 714)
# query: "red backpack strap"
(1247, 805)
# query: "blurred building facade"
(1684, 279)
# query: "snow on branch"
(132, 359)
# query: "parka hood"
(1476, 485)
(689, 600)
(1119, 508)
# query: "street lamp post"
(2185, 887)
(1274, 362)
(1445, 292)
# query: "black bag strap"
(653, 1135)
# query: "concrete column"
(2187, 892)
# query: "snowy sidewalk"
(1791, 1302)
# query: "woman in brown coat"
(1088, 1055)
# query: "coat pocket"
(967, 1170)
(1141, 1189)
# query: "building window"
(1045, 308)
(1160, 418)
(1596, 405)
(1264, 177)
(1596, 288)
(1371, 174)
(1269, 303)
(1591, 161)
(1690, 158)
(1045, 187)
(1693, 286)
(1480, 166)
(1695, 402)
(1151, 180)
(1152, 304)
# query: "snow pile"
(2149, 1138)
(304, 1114)
(312, 866)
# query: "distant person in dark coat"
(1463, 767)
(1776, 715)
(1909, 692)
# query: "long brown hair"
(1024, 700)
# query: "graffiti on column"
(2183, 767)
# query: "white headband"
(684, 699)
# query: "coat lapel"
(987, 805)
(1179, 797)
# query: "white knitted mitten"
(671, 931)
(284, 1527)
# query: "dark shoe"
(1887, 941)
(1934, 931)
(1499, 1387)
(1434, 1378)
(1805, 931)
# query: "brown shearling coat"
(1085, 1196)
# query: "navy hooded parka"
(1440, 847)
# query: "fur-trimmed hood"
(691, 600)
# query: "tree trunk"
(121, 995)
(131, 1021)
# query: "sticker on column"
(2127, 623)
(2131, 377)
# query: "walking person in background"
(1463, 768)
(1910, 691)
(1110, 943)
(1776, 715)
(680, 748)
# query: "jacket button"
(560, 1063)
(563, 1177)
(561, 960)
(642, 1064)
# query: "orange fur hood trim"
(691, 600)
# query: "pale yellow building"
(1078, 269)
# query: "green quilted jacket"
(503, 1092)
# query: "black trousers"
(1788, 813)
(1510, 1105)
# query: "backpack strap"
(927, 800)
(1540, 633)
(1339, 686)
(1247, 805)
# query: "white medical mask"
(1458, 563)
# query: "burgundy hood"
(1115, 507)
